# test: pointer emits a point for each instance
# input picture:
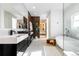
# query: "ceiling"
(41, 8)
(66, 5)
(16, 9)
(36, 9)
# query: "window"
(75, 21)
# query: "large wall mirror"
(9, 21)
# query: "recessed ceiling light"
(34, 7)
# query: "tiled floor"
(35, 48)
(38, 47)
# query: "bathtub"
(68, 43)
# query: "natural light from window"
(75, 21)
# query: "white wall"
(68, 12)
(56, 22)
(48, 24)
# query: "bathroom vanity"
(8, 45)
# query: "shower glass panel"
(71, 29)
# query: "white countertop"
(12, 39)
(21, 37)
(8, 39)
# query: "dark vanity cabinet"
(23, 45)
(8, 49)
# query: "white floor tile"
(37, 48)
